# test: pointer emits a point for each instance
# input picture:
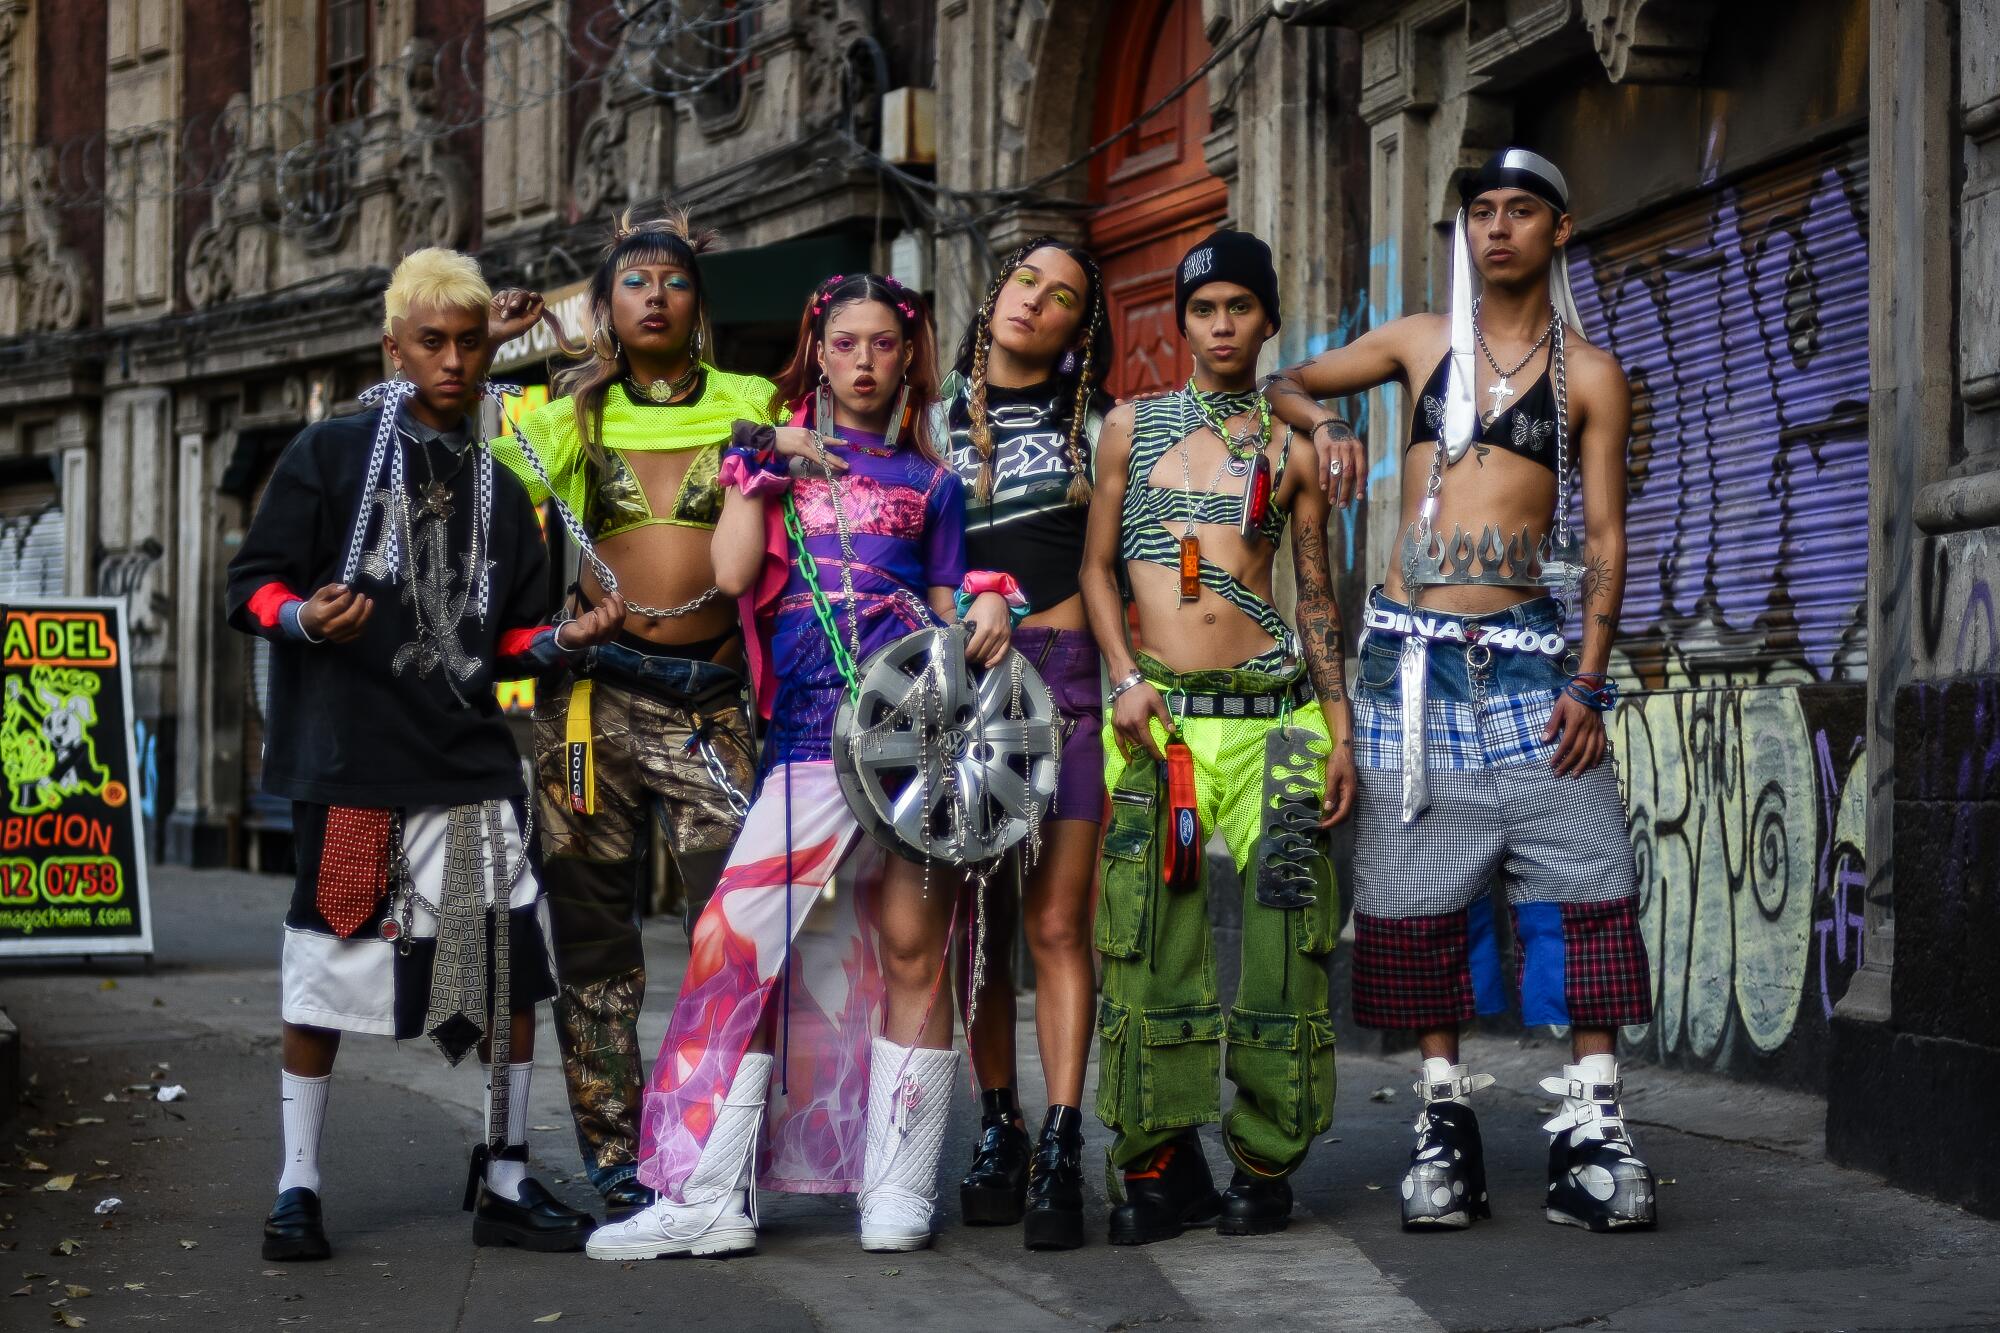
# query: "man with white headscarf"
(1478, 722)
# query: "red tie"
(353, 866)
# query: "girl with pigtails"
(809, 1050)
(1022, 412)
(651, 725)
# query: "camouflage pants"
(645, 767)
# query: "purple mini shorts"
(1067, 660)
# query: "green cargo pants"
(1161, 1025)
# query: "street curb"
(10, 1067)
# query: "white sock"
(1437, 1069)
(304, 1111)
(502, 1177)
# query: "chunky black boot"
(1445, 1187)
(995, 1190)
(625, 1198)
(537, 1221)
(1166, 1192)
(1254, 1205)
(1596, 1179)
(1054, 1218)
(294, 1230)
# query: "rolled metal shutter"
(1741, 318)
(31, 541)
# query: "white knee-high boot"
(909, 1101)
(719, 1215)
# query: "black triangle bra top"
(1527, 427)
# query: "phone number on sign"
(62, 879)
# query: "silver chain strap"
(847, 557)
(571, 524)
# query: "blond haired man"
(398, 574)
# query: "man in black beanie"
(1231, 721)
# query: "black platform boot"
(1166, 1192)
(294, 1230)
(538, 1220)
(1054, 1218)
(1445, 1187)
(995, 1190)
(1596, 1179)
(1255, 1205)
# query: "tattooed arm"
(1601, 410)
(1376, 358)
(1320, 632)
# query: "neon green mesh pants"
(1160, 1021)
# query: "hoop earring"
(695, 348)
(604, 343)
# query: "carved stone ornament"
(1650, 41)
(55, 284)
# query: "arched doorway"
(1155, 192)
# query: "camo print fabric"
(600, 1053)
(639, 747)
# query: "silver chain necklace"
(1502, 390)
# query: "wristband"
(1602, 696)
(984, 581)
(1330, 421)
(752, 472)
(1131, 682)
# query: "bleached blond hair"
(434, 277)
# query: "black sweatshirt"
(346, 726)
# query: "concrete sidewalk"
(1758, 1232)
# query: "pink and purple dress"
(792, 922)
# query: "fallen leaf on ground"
(109, 1205)
(892, 1272)
(68, 1320)
(1667, 1180)
(65, 1247)
(189, 1244)
(108, 983)
(550, 1318)
(30, 1164)
(1382, 1095)
(111, 1097)
(543, 1128)
(1372, 1187)
(135, 1286)
(57, 1184)
(173, 1092)
(75, 1292)
(26, 1289)
(88, 1120)
(37, 1132)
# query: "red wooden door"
(1155, 192)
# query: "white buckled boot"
(1445, 1187)
(1596, 1178)
(909, 1100)
(719, 1215)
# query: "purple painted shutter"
(1741, 318)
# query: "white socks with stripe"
(504, 1178)
(304, 1109)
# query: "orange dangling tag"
(1180, 859)
(1190, 567)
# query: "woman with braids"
(652, 725)
(1023, 410)
(809, 1015)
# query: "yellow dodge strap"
(582, 774)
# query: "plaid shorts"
(1576, 964)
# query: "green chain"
(1220, 423)
(822, 607)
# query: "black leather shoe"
(293, 1230)
(625, 1198)
(537, 1221)
(1253, 1206)
(1054, 1218)
(1166, 1192)
(995, 1190)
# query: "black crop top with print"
(1527, 427)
